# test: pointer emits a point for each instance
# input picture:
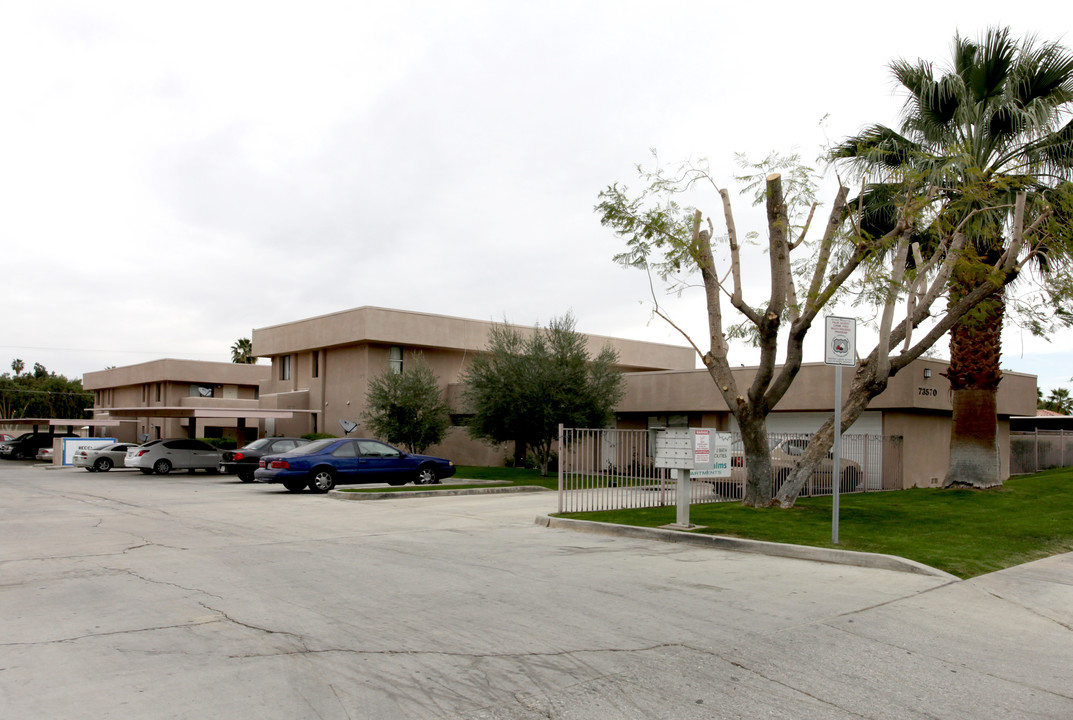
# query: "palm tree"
(1059, 401)
(242, 352)
(986, 127)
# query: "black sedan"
(323, 464)
(243, 462)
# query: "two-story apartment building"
(322, 366)
(179, 398)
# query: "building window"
(158, 389)
(314, 364)
(285, 367)
(394, 359)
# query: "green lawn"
(963, 532)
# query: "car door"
(347, 463)
(381, 462)
(203, 455)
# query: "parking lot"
(198, 596)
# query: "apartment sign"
(840, 346)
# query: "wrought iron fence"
(612, 469)
(1040, 450)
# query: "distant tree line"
(41, 394)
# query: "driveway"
(197, 596)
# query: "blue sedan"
(323, 464)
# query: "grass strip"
(963, 532)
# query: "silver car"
(163, 456)
(103, 458)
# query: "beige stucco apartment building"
(321, 368)
(916, 406)
(178, 398)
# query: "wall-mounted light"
(927, 373)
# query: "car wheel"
(322, 480)
(162, 467)
(245, 476)
(146, 471)
(426, 475)
(295, 486)
(851, 478)
(102, 465)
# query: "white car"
(102, 459)
(163, 456)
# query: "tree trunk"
(754, 440)
(974, 374)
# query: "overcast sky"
(173, 175)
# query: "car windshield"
(312, 448)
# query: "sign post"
(840, 351)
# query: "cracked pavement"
(196, 596)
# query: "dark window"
(284, 367)
(314, 365)
(345, 450)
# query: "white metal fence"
(1040, 450)
(613, 469)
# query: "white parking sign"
(840, 347)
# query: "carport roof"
(54, 422)
(198, 412)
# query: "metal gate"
(611, 469)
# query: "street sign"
(840, 346)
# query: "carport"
(53, 423)
(193, 414)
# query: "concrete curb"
(800, 552)
(447, 492)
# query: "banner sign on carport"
(73, 445)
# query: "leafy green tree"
(408, 408)
(42, 394)
(526, 384)
(242, 352)
(973, 136)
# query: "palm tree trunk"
(975, 352)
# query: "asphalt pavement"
(197, 596)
